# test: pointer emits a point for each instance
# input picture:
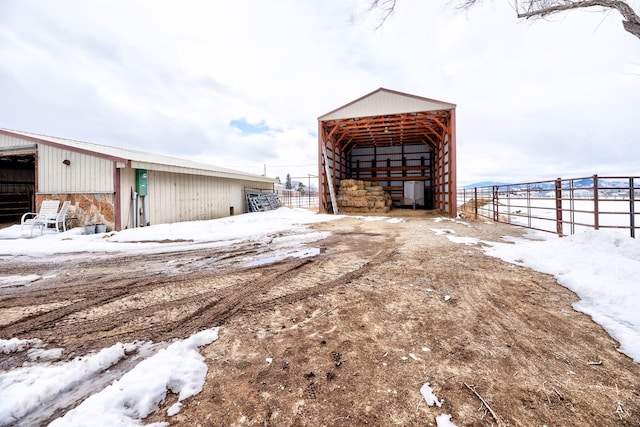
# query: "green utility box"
(142, 182)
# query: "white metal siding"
(85, 173)
(179, 190)
(237, 193)
(213, 172)
(181, 197)
(137, 159)
(10, 141)
(381, 103)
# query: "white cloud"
(550, 97)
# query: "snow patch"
(179, 368)
(429, 397)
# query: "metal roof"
(137, 159)
(385, 117)
(382, 102)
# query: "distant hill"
(486, 184)
(608, 184)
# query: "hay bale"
(362, 197)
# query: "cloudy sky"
(241, 83)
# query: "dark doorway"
(17, 186)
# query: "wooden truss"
(434, 129)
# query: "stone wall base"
(85, 209)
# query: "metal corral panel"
(383, 102)
(83, 174)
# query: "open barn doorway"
(400, 144)
(404, 171)
(17, 184)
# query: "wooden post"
(475, 202)
(329, 180)
(321, 187)
(558, 193)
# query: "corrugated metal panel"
(382, 102)
(185, 197)
(199, 170)
(138, 159)
(11, 141)
(180, 197)
(84, 174)
(417, 148)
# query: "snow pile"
(32, 386)
(257, 226)
(15, 345)
(179, 368)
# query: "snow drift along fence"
(561, 206)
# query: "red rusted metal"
(562, 206)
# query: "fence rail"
(561, 206)
(298, 199)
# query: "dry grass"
(468, 208)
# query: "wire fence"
(298, 199)
(561, 206)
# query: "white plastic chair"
(60, 218)
(48, 209)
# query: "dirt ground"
(352, 333)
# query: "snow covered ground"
(601, 267)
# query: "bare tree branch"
(542, 8)
(387, 7)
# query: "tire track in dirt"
(351, 334)
(130, 303)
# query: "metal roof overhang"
(18, 150)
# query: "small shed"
(404, 143)
(118, 187)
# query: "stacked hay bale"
(362, 197)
